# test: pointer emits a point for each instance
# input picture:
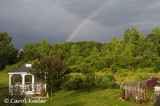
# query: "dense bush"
(114, 68)
(121, 93)
(89, 81)
(80, 81)
(74, 82)
(98, 81)
(15, 95)
(152, 83)
(141, 76)
(108, 81)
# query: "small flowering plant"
(43, 92)
(132, 99)
(150, 84)
(121, 94)
(129, 96)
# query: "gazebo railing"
(30, 87)
(38, 87)
(17, 87)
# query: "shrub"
(141, 101)
(43, 92)
(74, 82)
(148, 95)
(141, 76)
(89, 81)
(150, 84)
(108, 81)
(3, 96)
(132, 99)
(127, 97)
(114, 68)
(98, 81)
(121, 93)
(115, 85)
(16, 94)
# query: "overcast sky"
(54, 20)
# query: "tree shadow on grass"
(76, 104)
(3, 88)
(156, 105)
(79, 92)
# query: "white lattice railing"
(26, 88)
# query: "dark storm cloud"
(53, 20)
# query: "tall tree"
(53, 68)
(8, 54)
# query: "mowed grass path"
(107, 97)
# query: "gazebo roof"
(22, 69)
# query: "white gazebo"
(23, 79)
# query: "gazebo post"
(23, 82)
(32, 83)
(45, 83)
(10, 80)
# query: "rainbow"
(76, 30)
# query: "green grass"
(4, 81)
(4, 78)
(97, 97)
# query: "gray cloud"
(53, 20)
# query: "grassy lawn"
(4, 77)
(107, 97)
(4, 81)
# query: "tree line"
(133, 51)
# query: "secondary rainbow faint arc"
(87, 19)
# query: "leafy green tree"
(126, 57)
(42, 49)
(127, 35)
(85, 68)
(8, 54)
(134, 35)
(53, 68)
(36, 51)
(75, 50)
(114, 68)
(56, 50)
(30, 51)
